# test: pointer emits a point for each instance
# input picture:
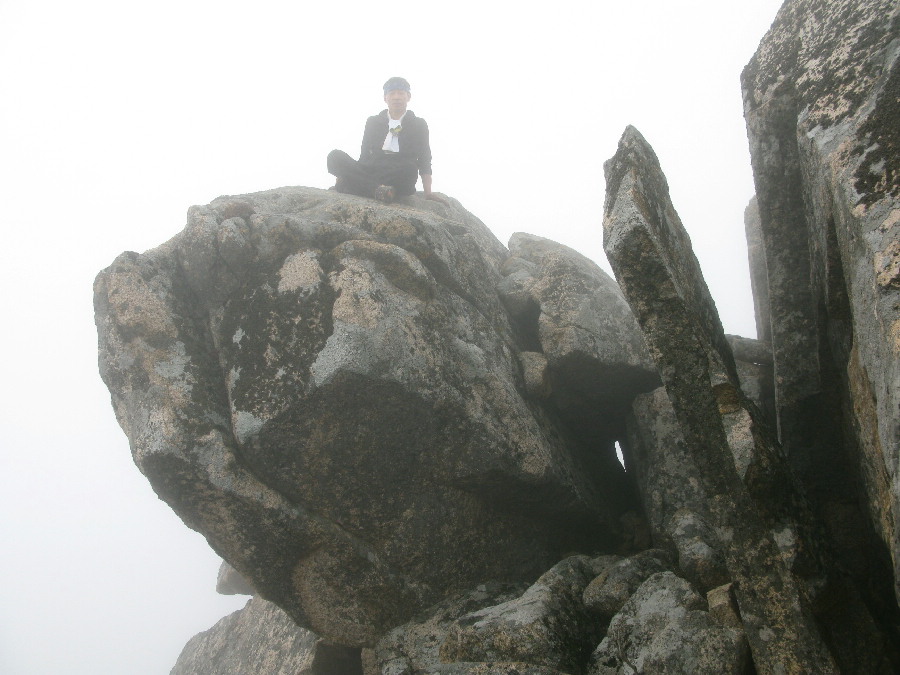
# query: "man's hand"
(426, 186)
(436, 198)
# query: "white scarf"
(391, 141)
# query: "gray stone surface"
(328, 388)
(723, 607)
(700, 557)
(366, 408)
(495, 668)
(548, 625)
(750, 350)
(757, 383)
(501, 629)
(820, 102)
(608, 591)
(666, 474)
(665, 628)
(230, 582)
(565, 307)
(415, 646)
(650, 252)
(579, 318)
(759, 283)
(262, 640)
(535, 370)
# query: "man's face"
(396, 100)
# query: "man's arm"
(426, 186)
(424, 162)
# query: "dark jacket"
(413, 140)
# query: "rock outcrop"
(495, 628)
(403, 435)
(665, 627)
(331, 391)
(822, 112)
(740, 470)
(260, 638)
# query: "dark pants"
(361, 178)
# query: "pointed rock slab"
(329, 390)
(660, 277)
(671, 491)
(666, 473)
(759, 281)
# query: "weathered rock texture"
(588, 347)
(573, 313)
(759, 281)
(748, 492)
(499, 629)
(821, 102)
(665, 628)
(609, 591)
(822, 105)
(230, 581)
(262, 639)
(331, 391)
(548, 625)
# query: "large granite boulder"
(330, 390)
(823, 121)
(368, 409)
(574, 313)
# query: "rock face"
(547, 625)
(262, 639)
(665, 628)
(823, 120)
(230, 582)
(331, 391)
(747, 488)
(574, 314)
(499, 629)
(592, 356)
(609, 591)
(662, 625)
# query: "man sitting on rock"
(395, 151)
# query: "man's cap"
(396, 83)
